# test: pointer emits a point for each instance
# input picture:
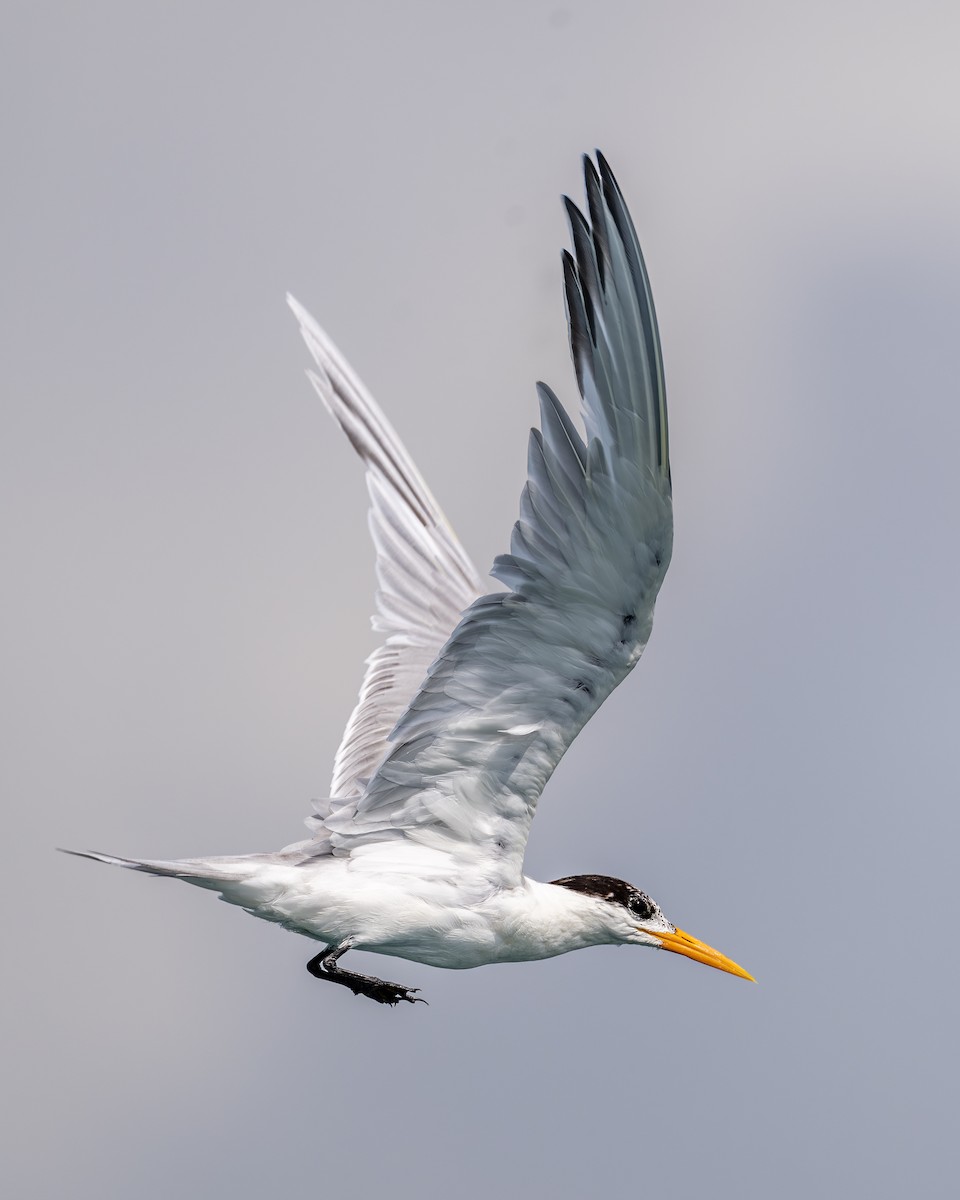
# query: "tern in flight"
(472, 699)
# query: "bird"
(473, 696)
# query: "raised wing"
(525, 670)
(425, 579)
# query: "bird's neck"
(541, 920)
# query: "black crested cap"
(615, 891)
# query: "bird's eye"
(641, 906)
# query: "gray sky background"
(188, 580)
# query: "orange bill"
(682, 943)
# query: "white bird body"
(424, 914)
(472, 699)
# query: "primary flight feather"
(472, 699)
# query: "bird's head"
(631, 917)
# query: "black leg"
(324, 966)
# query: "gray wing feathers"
(424, 577)
(523, 671)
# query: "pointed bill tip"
(683, 943)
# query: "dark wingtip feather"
(577, 320)
(605, 169)
(623, 223)
(594, 189)
(586, 262)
